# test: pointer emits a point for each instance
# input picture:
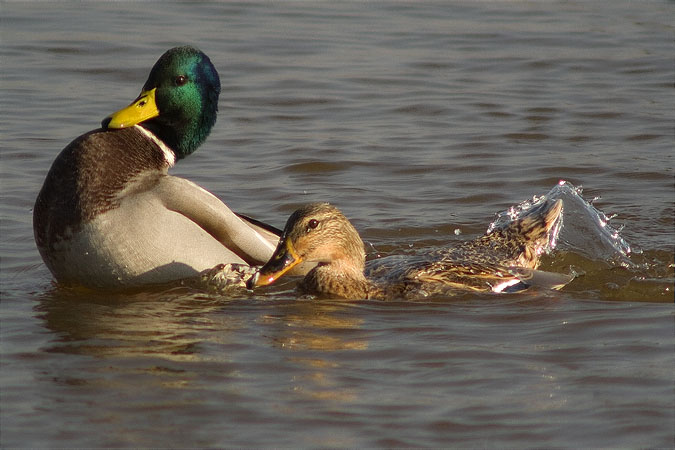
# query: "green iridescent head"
(178, 103)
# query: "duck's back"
(479, 264)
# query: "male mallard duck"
(497, 261)
(109, 215)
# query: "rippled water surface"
(421, 121)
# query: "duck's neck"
(183, 139)
(339, 278)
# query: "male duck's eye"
(180, 80)
(312, 224)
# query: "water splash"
(583, 229)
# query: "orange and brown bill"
(283, 260)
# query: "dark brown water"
(421, 121)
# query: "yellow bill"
(142, 109)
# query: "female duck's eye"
(180, 80)
(312, 224)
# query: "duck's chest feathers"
(91, 176)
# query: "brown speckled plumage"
(87, 177)
(481, 263)
(321, 233)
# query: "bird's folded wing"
(252, 241)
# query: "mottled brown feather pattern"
(481, 263)
(478, 265)
(87, 177)
(325, 280)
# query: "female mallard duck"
(501, 259)
(109, 215)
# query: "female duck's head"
(178, 103)
(316, 233)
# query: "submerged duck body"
(109, 215)
(498, 261)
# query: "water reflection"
(313, 325)
(166, 324)
(175, 336)
(311, 332)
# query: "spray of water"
(583, 229)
